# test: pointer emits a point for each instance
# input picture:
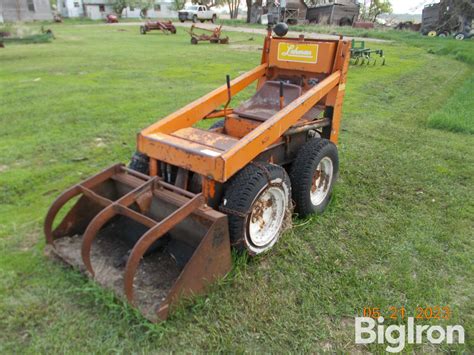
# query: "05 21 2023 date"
(392, 312)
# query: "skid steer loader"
(162, 228)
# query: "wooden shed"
(339, 12)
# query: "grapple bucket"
(148, 241)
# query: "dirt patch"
(3, 168)
(155, 276)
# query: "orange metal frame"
(174, 141)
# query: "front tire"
(313, 174)
(143, 30)
(257, 202)
(140, 162)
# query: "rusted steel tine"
(54, 209)
(151, 236)
(95, 197)
(117, 207)
(102, 176)
(72, 192)
(91, 232)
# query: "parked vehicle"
(197, 12)
(162, 229)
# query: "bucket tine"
(91, 232)
(151, 236)
(55, 208)
(116, 208)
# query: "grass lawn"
(397, 233)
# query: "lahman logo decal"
(302, 53)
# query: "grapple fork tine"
(55, 208)
(91, 232)
(151, 236)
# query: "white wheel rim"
(460, 36)
(322, 180)
(266, 217)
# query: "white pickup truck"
(197, 12)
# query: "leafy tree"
(178, 5)
(378, 7)
(209, 3)
(119, 6)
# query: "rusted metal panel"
(210, 139)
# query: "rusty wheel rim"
(322, 179)
(266, 218)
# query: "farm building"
(290, 11)
(25, 10)
(99, 9)
(334, 12)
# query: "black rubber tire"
(182, 21)
(140, 163)
(202, 21)
(214, 18)
(194, 40)
(302, 172)
(241, 192)
(143, 30)
(195, 18)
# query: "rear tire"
(214, 17)
(143, 30)
(195, 19)
(257, 208)
(140, 162)
(313, 174)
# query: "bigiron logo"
(370, 331)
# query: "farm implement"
(166, 27)
(365, 55)
(199, 34)
(162, 228)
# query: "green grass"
(457, 114)
(398, 231)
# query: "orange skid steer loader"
(162, 228)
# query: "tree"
(233, 8)
(249, 7)
(119, 6)
(178, 5)
(209, 3)
(378, 7)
